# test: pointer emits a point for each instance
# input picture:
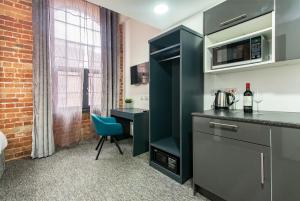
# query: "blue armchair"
(106, 126)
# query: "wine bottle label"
(248, 101)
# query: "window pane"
(76, 51)
(73, 33)
(62, 92)
(83, 36)
(90, 38)
(86, 64)
(59, 15)
(97, 65)
(73, 17)
(95, 99)
(60, 62)
(74, 89)
(62, 76)
(62, 98)
(95, 83)
(74, 82)
(60, 30)
(97, 54)
(89, 23)
(74, 100)
(75, 63)
(60, 48)
(90, 54)
(96, 26)
(97, 40)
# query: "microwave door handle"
(227, 22)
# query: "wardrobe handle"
(233, 20)
(262, 169)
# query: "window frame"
(66, 68)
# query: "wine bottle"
(248, 99)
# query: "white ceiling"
(142, 10)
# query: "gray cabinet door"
(231, 169)
(286, 164)
(287, 30)
(233, 12)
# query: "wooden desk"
(140, 120)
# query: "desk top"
(128, 113)
(130, 110)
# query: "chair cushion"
(106, 126)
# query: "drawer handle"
(233, 20)
(262, 169)
(224, 126)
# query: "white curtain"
(75, 45)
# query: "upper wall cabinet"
(277, 21)
(233, 12)
(287, 29)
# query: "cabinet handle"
(224, 126)
(262, 171)
(233, 20)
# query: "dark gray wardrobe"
(176, 90)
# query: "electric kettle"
(223, 100)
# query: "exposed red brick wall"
(79, 131)
(16, 76)
(87, 130)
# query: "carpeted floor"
(74, 175)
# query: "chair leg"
(102, 138)
(117, 144)
(100, 148)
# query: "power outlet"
(229, 90)
(144, 98)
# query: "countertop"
(280, 119)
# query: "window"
(77, 59)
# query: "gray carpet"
(74, 174)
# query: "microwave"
(246, 51)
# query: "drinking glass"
(237, 96)
(257, 98)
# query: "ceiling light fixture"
(161, 9)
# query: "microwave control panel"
(256, 47)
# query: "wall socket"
(230, 90)
(144, 98)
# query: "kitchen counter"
(280, 119)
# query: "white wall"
(137, 51)
(279, 86)
(194, 22)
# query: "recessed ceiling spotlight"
(161, 9)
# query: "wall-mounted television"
(139, 74)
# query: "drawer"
(254, 133)
(233, 12)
